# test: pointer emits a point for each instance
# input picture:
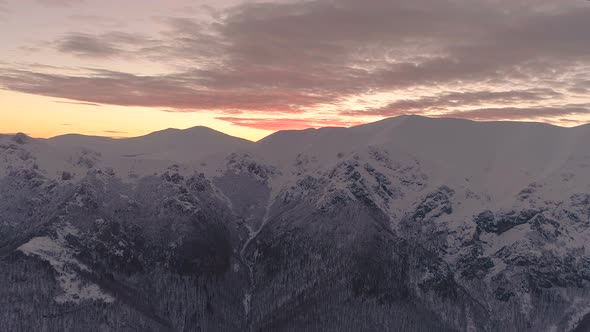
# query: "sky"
(248, 68)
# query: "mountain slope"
(169, 145)
(409, 223)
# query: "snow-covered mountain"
(409, 223)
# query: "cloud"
(179, 91)
(288, 123)
(84, 45)
(444, 101)
(76, 103)
(514, 113)
(581, 87)
(60, 2)
(114, 132)
(293, 57)
(97, 20)
(105, 45)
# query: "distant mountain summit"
(406, 224)
(169, 144)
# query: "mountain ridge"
(453, 225)
(385, 120)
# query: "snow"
(62, 259)
(499, 158)
(486, 164)
(151, 153)
(579, 308)
(246, 303)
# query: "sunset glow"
(249, 68)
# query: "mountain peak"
(21, 138)
(192, 132)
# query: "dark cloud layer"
(183, 92)
(514, 113)
(294, 56)
(455, 99)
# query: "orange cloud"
(286, 124)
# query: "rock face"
(409, 224)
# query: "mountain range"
(406, 224)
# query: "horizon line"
(304, 129)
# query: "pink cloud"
(287, 123)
